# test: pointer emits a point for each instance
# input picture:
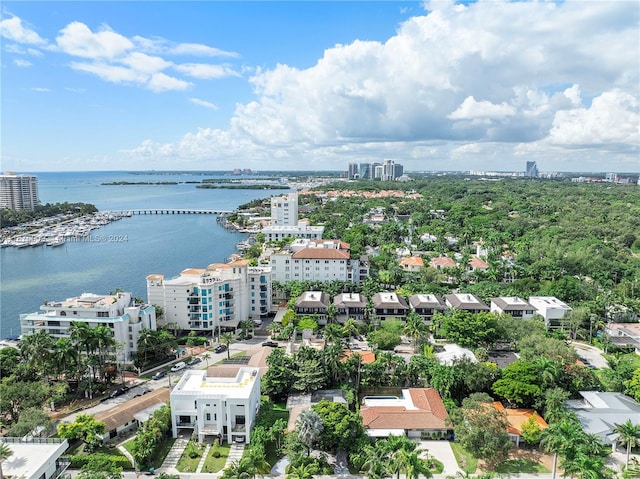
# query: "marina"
(48, 232)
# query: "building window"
(240, 420)
(208, 416)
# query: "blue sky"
(316, 85)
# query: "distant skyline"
(317, 85)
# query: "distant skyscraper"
(398, 170)
(364, 171)
(353, 171)
(18, 192)
(532, 170)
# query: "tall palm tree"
(628, 435)
(64, 355)
(415, 328)
(350, 328)
(332, 313)
(227, 339)
(36, 350)
(559, 438)
(5, 453)
(242, 469)
(309, 426)
(105, 342)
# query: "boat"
(57, 241)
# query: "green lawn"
(216, 464)
(465, 460)
(188, 463)
(159, 454)
(520, 465)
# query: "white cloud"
(13, 29)
(162, 46)
(206, 71)
(40, 89)
(206, 104)
(471, 109)
(160, 82)
(22, 63)
(77, 39)
(142, 62)
(112, 73)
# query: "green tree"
(17, 396)
(628, 435)
(632, 386)
(558, 439)
(415, 328)
(481, 429)
(531, 431)
(342, 428)
(85, 428)
(279, 378)
(520, 383)
(470, 330)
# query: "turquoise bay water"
(141, 245)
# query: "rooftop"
(198, 383)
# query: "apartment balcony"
(238, 428)
(186, 424)
(263, 287)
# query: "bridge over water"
(173, 211)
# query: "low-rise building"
(624, 334)
(389, 306)
(350, 305)
(220, 403)
(313, 303)
(126, 417)
(517, 417)
(465, 302)
(551, 309)
(426, 305)
(301, 230)
(119, 312)
(418, 413)
(412, 264)
(442, 262)
(513, 306)
(204, 299)
(599, 412)
(35, 458)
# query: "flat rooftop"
(199, 384)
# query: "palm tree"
(227, 339)
(36, 349)
(64, 355)
(302, 471)
(332, 313)
(242, 469)
(628, 435)
(5, 453)
(309, 426)
(558, 438)
(415, 328)
(104, 341)
(206, 357)
(350, 328)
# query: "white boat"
(57, 241)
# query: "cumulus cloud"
(206, 104)
(77, 39)
(160, 82)
(13, 29)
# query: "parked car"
(178, 366)
(117, 392)
(220, 349)
(159, 374)
(193, 361)
(257, 322)
(270, 344)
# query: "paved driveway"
(591, 354)
(441, 450)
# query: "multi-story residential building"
(317, 260)
(284, 210)
(18, 192)
(426, 305)
(350, 305)
(35, 458)
(119, 312)
(204, 299)
(221, 402)
(513, 306)
(465, 302)
(301, 230)
(389, 306)
(352, 172)
(551, 309)
(313, 303)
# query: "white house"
(220, 402)
(551, 309)
(35, 458)
(514, 306)
(204, 299)
(118, 311)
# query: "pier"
(174, 211)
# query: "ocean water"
(132, 248)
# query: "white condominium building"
(284, 210)
(203, 299)
(218, 402)
(119, 312)
(317, 260)
(551, 309)
(18, 192)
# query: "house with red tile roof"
(442, 262)
(517, 418)
(417, 413)
(411, 263)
